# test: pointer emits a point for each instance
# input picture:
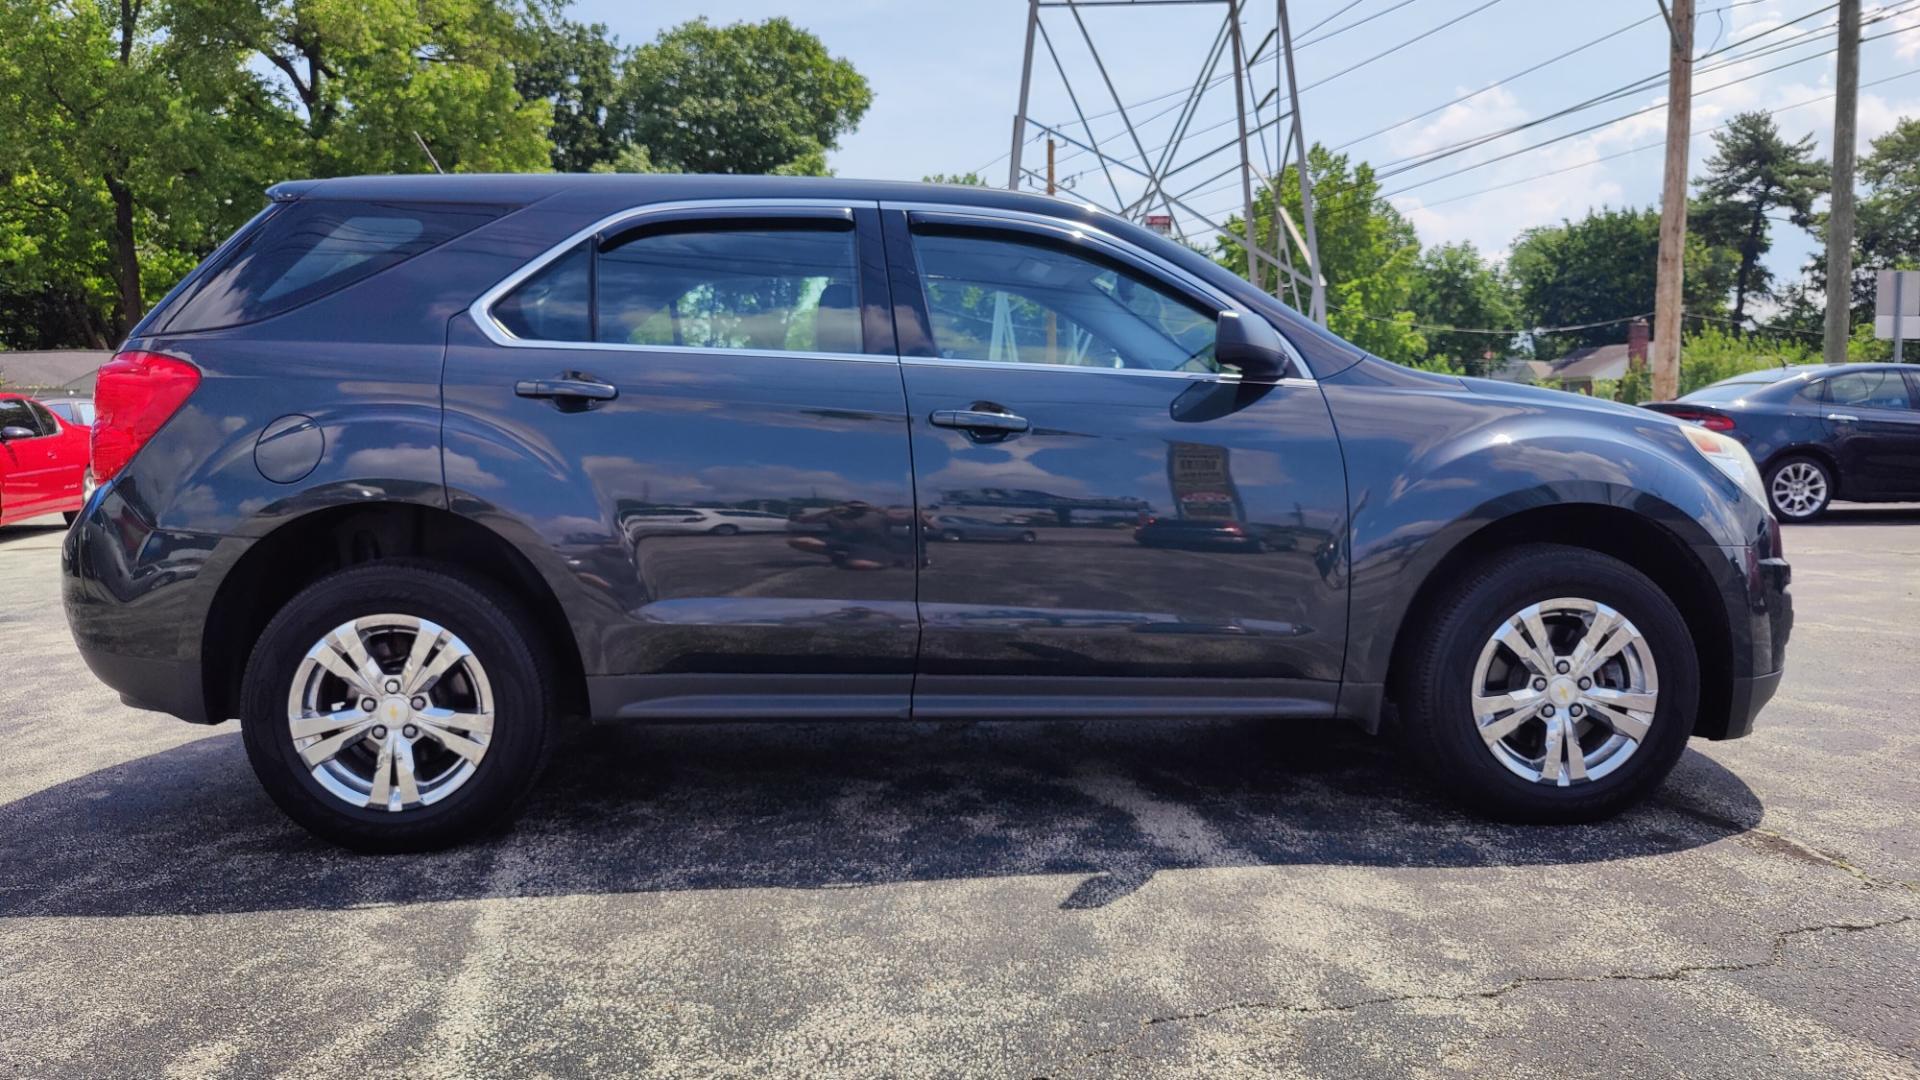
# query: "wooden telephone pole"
(1667, 292)
(1846, 103)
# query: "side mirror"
(1250, 345)
(15, 431)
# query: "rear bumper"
(135, 601)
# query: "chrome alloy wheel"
(391, 712)
(1565, 691)
(1799, 489)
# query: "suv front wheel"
(1551, 684)
(397, 707)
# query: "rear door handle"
(976, 420)
(567, 388)
(1842, 418)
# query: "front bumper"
(1754, 584)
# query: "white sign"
(1898, 292)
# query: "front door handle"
(571, 388)
(1842, 418)
(998, 423)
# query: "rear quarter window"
(310, 248)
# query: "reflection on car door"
(1187, 523)
(721, 360)
(1875, 431)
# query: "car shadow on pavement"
(1844, 514)
(629, 809)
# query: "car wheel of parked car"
(1799, 488)
(397, 707)
(70, 516)
(1029, 537)
(724, 530)
(1552, 684)
(951, 536)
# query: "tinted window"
(1869, 390)
(311, 248)
(43, 421)
(1012, 301)
(775, 289)
(13, 413)
(552, 304)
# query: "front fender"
(1429, 466)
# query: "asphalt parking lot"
(1099, 899)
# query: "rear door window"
(778, 287)
(313, 247)
(1869, 390)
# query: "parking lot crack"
(1776, 952)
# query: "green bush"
(1711, 354)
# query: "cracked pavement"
(1121, 898)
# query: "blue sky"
(945, 77)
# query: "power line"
(1595, 127)
(1389, 52)
(1645, 82)
(1499, 82)
(1307, 38)
(1641, 148)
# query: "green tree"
(1600, 269)
(1367, 252)
(1889, 217)
(1454, 286)
(761, 97)
(575, 68)
(120, 143)
(969, 179)
(379, 85)
(1752, 173)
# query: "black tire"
(490, 623)
(1827, 482)
(724, 530)
(1029, 537)
(1435, 684)
(71, 516)
(951, 536)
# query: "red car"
(43, 461)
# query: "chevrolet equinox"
(413, 467)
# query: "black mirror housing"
(15, 431)
(1250, 345)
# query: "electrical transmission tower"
(1155, 160)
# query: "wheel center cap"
(1563, 691)
(395, 710)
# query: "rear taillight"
(1710, 421)
(135, 394)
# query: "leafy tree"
(379, 85)
(119, 144)
(1889, 217)
(1753, 172)
(1367, 252)
(1601, 269)
(576, 68)
(969, 179)
(747, 98)
(1454, 286)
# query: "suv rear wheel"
(397, 707)
(1552, 684)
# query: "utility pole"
(1053, 322)
(1026, 87)
(1846, 102)
(1668, 295)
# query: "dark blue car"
(1819, 432)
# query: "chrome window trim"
(481, 310)
(1101, 238)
